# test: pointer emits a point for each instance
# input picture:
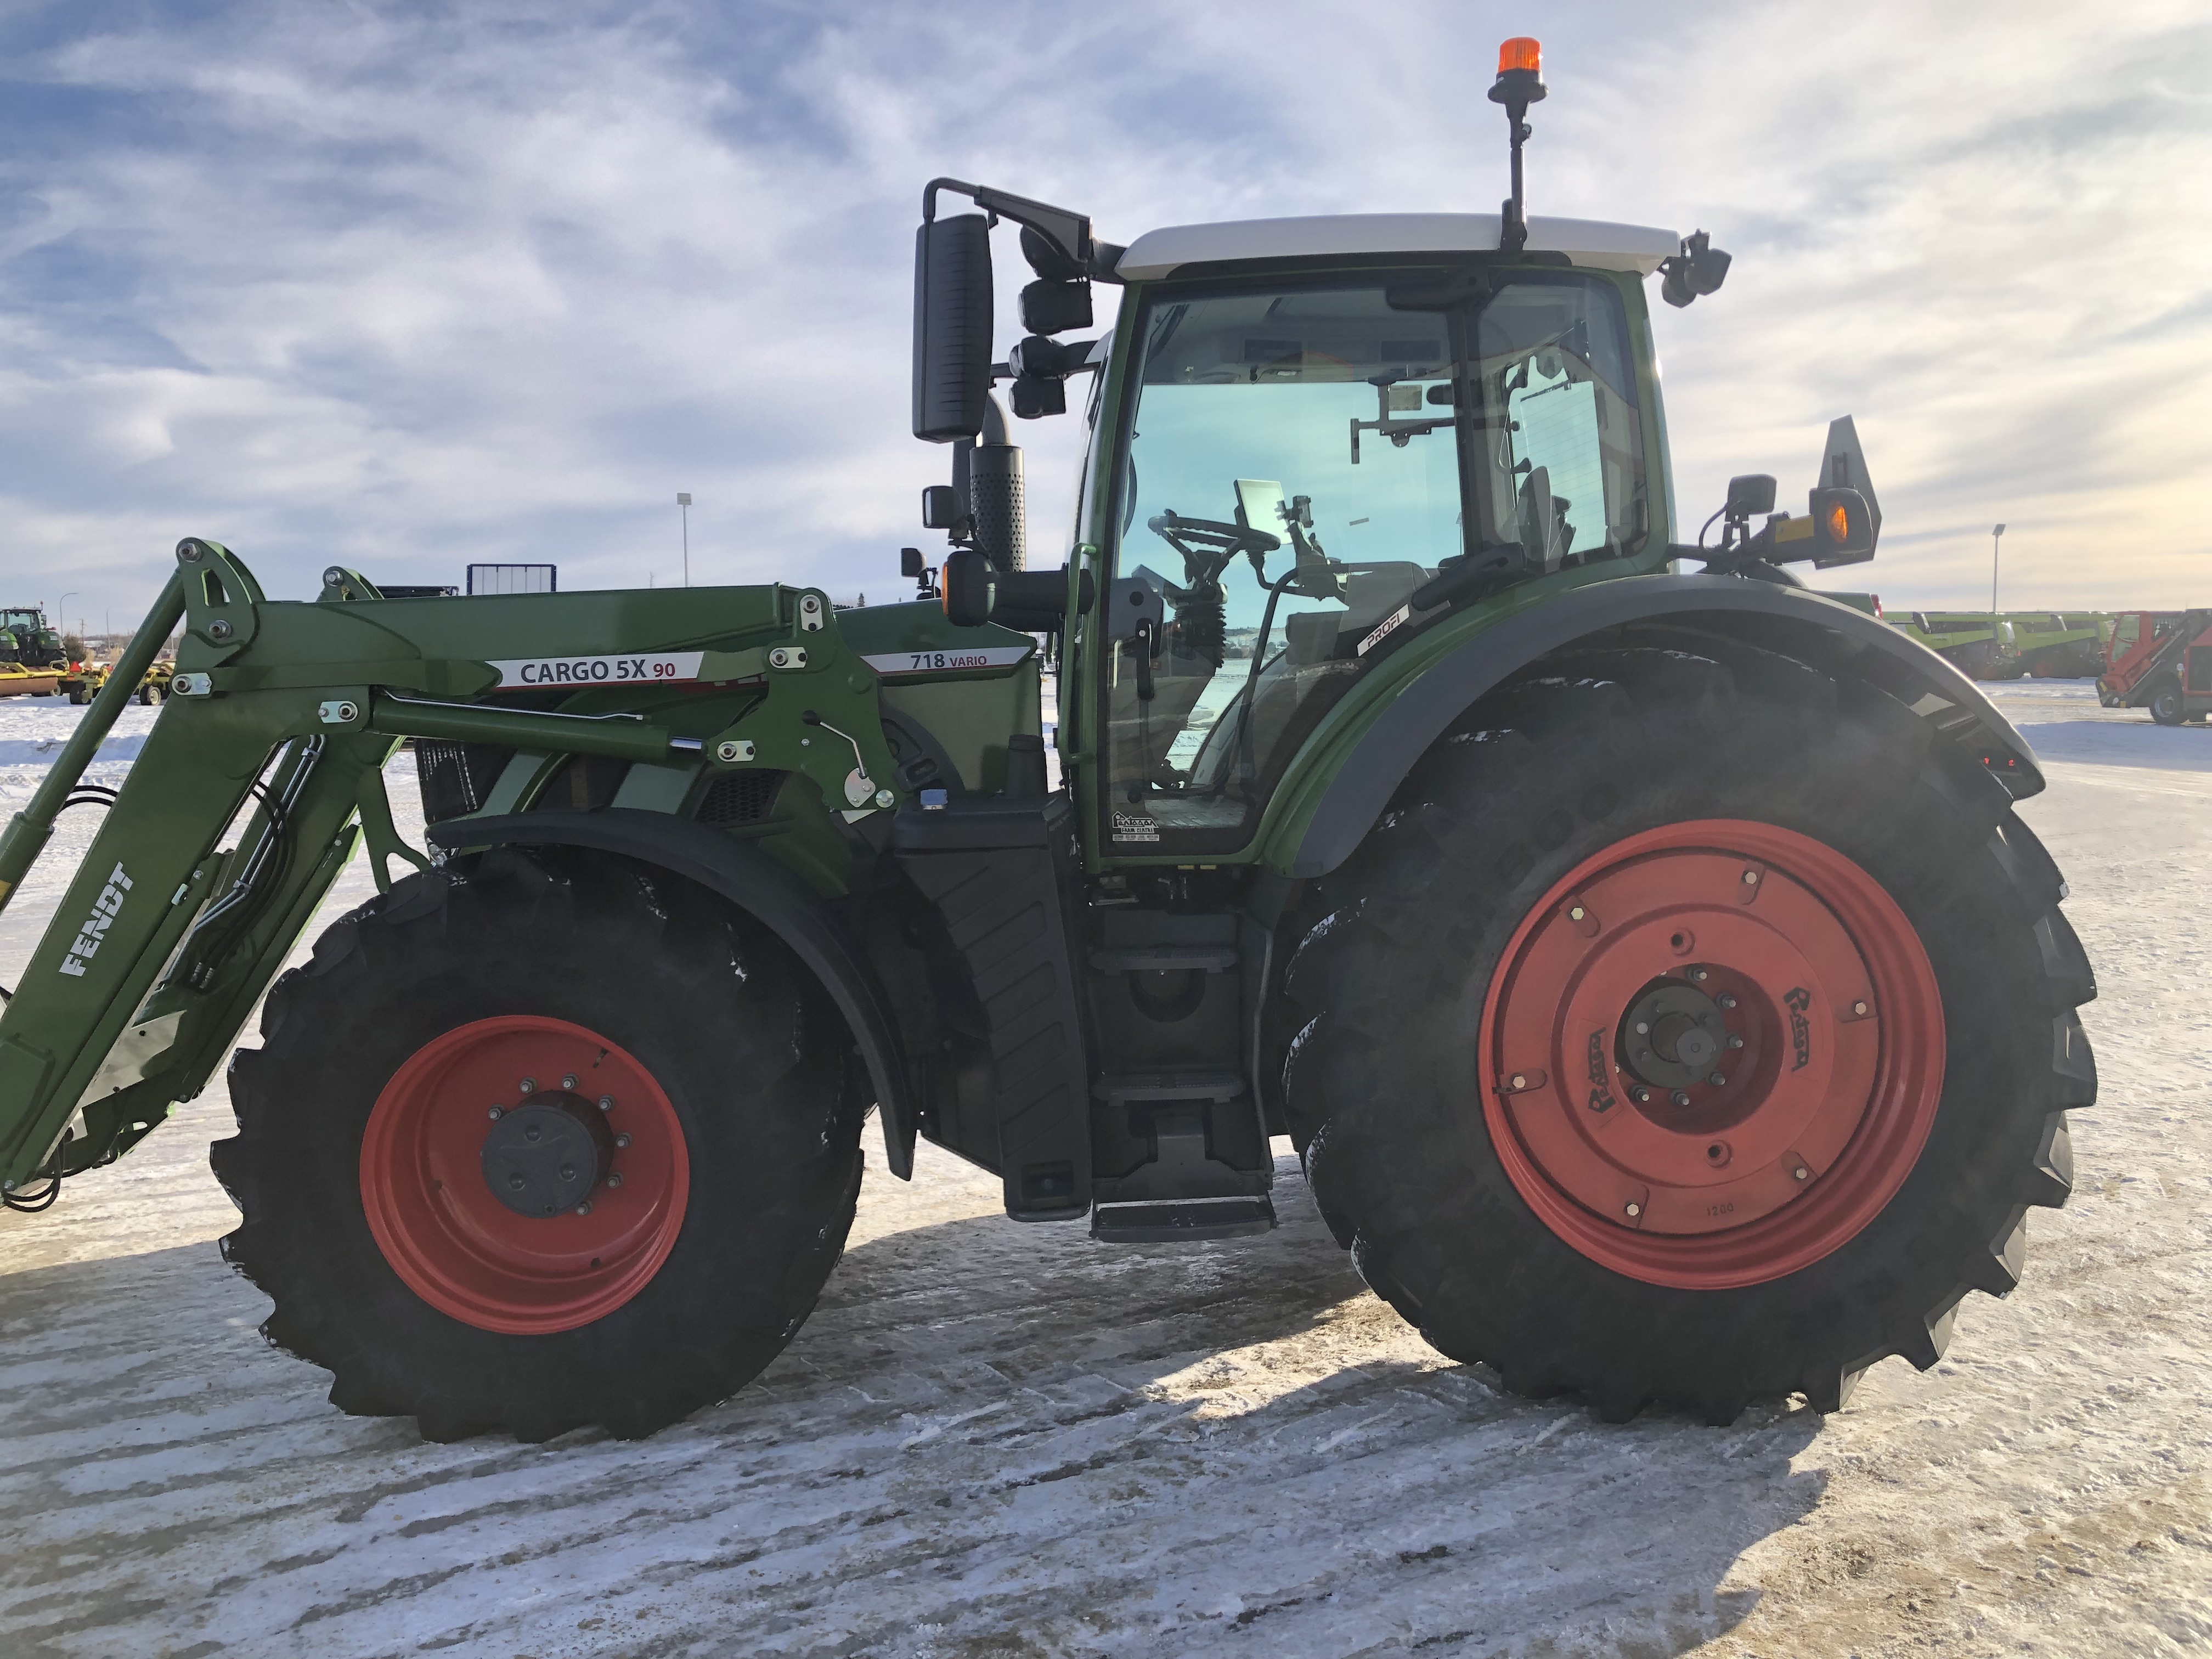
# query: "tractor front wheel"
(1691, 1028)
(2167, 706)
(541, 1141)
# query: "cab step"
(1169, 1221)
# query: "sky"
(403, 287)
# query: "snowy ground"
(998, 1440)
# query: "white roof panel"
(1589, 242)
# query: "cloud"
(405, 286)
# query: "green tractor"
(32, 661)
(1650, 968)
(27, 640)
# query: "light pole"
(1997, 539)
(684, 506)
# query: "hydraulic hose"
(27, 833)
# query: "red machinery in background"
(2160, 660)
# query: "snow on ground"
(1001, 1440)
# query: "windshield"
(1300, 463)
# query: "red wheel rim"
(1829, 1033)
(448, 1236)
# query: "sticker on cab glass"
(888, 663)
(653, 668)
(1384, 628)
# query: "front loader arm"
(88, 1060)
(265, 769)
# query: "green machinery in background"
(1651, 969)
(2014, 644)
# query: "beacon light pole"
(1997, 539)
(684, 506)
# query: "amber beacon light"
(1519, 84)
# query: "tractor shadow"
(985, 1427)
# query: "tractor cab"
(1309, 455)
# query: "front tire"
(2167, 706)
(633, 1234)
(1524, 1182)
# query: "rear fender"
(1793, 621)
(756, 885)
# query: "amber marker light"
(1521, 53)
(1839, 522)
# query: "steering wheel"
(1198, 538)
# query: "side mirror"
(1749, 495)
(941, 507)
(1843, 527)
(951, 327)
(967, 585)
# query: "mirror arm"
(1067, 231)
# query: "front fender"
(756, 885)
(1795, 622)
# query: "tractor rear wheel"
(541, 1141)
(1691, 1027)
(2167, 706)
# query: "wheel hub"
(1711, 1053)
(1674, 1035)
(517, 1208)
(544, 1157)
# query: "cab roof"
(1592, 242)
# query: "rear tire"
(362, 1163)
(1417, 1158)
(2167, 706)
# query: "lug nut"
(1577, 914)
(621, 1141)
(1644, 1028)
(529, 1086)
(1735, 1043)
(1632, 1211)
(1800, 1172)
(1681, 1096)
(1858, 1008)
(1699, 975)
(569, 1084)
(1751, 877)
(585, 1208)
(1520, 1080)
(497, 1113)
(1718, 1079)
(1641, 1097)
(606, 1103)
(1726, 1000)
(614, 1178)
